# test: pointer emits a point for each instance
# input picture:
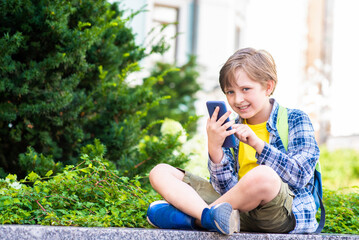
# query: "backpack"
(282, 127)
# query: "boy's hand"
(217, 134)
(246, 135)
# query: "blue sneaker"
(161, 214)
(221, 218)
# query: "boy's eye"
(245, 89)
(229, 92)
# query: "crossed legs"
(258, 187)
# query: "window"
(167, 15)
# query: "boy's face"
(249, 98)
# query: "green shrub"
(51, 52)
(63, 82)
(90, 194)
(181, 86)
(342, 211)
(38, 162)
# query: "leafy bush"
(38, 162)
(181, 86)
(63, 83)
(51, 54)
(342, 211)
(43, 60)
(90, 194)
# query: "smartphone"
(230, 141)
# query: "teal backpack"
(282, 127)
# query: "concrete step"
(35, 232)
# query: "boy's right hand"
(217, 133)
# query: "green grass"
(340, 168)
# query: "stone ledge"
(34, 232)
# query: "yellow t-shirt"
(246, 154)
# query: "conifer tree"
(63, 69)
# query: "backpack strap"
(319, 194)
(282, 125)
(283, 131)
(322, 213)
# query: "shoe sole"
(153, 225)
(229, 219)
(235, 225)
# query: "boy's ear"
(270, 87)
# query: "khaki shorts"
(275, 216)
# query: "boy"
(262, 184)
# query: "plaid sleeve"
(223, 176)
(295, 167)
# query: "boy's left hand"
(246, 135)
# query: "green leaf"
(49, 173)
(12, 177)
(37, 189)
(82, 25)
(7, 202)
(33, 176)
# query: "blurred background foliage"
(340, 168)
(181, 85)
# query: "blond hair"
(259, 65)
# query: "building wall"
(294, 32)
(144, 23)
(345, 83)
(218, 23)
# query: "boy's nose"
(239, 98)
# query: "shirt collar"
(272, 121)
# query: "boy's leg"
(275, 217)
(258, 187)
(167, 181)
(265, 202)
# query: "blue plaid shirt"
(295, 167)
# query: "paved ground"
(22, 232)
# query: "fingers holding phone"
(219, 127)
(220, 114)
(217, 130)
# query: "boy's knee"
(265, 179)
(266, 172)
(157, 171)
(162, 172)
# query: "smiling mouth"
(243, 107)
